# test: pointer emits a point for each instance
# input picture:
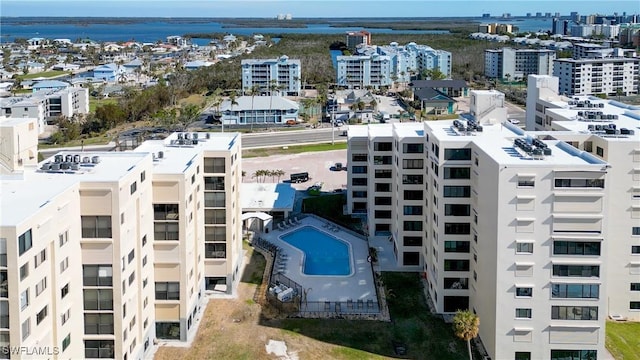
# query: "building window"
(41, 286)
(168, 330)
(457, 173)
(576, 270)
(410, 258)
(635, 249)
(214, 165)
(97, 275)
(456, 246)
(98, 324)
(526, 181)
(64, 317)
(359, 157)
(360, 169)
(414, 195)
(98, 299)
(99, 349)
(143, 176)
(456, 265)
(412, 163)
(576, 248)
(412, 225)
(412, 240)
(635, 231)
(131, 256)
(24, 299)
(574, 354)
(457, 191)
(575, 291)
(64, 264)
(522, 355)
(412, 210)
(24, 271)
(42, 314)
(65, 342)
(214, 183)
(24, 242)
(64, 291)
(96, 226)
(524, 248)
(457, 228)
(381, 187)
(215, 250)
(599, 151)
(457, 154)
(167, 291)
(134, 187)
(579, 183)
(574, 313)
(40, 258)
(524, 291)
(407, 179)
(635, 287)
(26, 329)
(215, 216)
(382, 146)
(634, 305)
(523, 313)
(457, 210)
(412, 148)
(359, 181)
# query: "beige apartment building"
(103, 253)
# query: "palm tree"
(232, 100)
(466, 325)
(273, 86)
(255, 89)
(279, 173)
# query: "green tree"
(252, 91)
(466, 325)
(188, 113)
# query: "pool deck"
(357, 286)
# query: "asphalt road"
(294, 137)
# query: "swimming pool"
(323, 253)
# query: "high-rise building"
(277, 76)
(517, 63)
(102, 253)
(517, 226)
(363, 70)
(605, 71)
(358, 38)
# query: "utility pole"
(333, 124)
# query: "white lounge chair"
(284, 223)
(326, 225)
(292, 223)
(296, 220)
(335, 229)
(280, 226)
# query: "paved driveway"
(317, 164)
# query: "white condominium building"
(517, 226)
(280, 76)
(102, 253)
(363, 70)
(511, 64)
(599, 74)
(413, 59)
(608, 130)
(44, 105)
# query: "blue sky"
(306, 8)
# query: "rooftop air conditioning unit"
(160, 154)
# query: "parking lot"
(319, 165)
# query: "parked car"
(514, 121)
(338, 166)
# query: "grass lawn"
(249, 153)
(94, 103)
(240, 328)
(45, 74)
(425, 336)
(623, 340)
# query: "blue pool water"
(324, 254)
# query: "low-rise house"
(434, 102)
(452, 88)
(259, 110)
(107, 72)
(193, 65)
(49, 85)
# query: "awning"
(260, 215)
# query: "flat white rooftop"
(178, 153)
(497, 140)
(267, 196)
(24, 194)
